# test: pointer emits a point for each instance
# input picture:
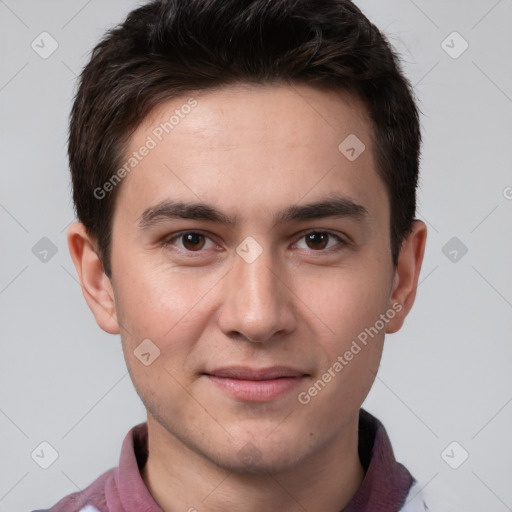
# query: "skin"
(252, 151)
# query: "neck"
(180, 479)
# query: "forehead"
(276, 143)
(293, 114)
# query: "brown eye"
(321, 241)
(189, 242)
(317, 240)
(193, 241)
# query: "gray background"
(445, 377)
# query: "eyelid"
(342, 240)
(169, 240)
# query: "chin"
(261, 457)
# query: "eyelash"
(341, 242)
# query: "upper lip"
(245, 373)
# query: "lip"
(256, 385)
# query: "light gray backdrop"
(444, 390)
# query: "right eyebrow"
(181, 210)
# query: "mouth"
(256, 385)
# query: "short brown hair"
(167, 48)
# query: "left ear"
(407, 273)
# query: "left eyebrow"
(340, 207)
(331, 207)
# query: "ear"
(96, 286)
(407, 272)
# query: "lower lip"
(256, 390)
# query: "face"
(255, 302)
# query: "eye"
(191, 241)
(195, 241)
(320, 240)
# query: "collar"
(386, 483)
(384, 488)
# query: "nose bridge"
(256, 304)
(256, 279)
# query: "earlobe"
(96, 285)
(405, 282)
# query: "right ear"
(96, 286)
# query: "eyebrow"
(339, 207)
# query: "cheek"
(349, 304)
(347, 300)
(160, 316)
(350, 348)
(159, 303)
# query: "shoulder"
(90, 499)
(415, 501)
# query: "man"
(244, 174)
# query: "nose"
(257, 304)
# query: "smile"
(256, 385)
